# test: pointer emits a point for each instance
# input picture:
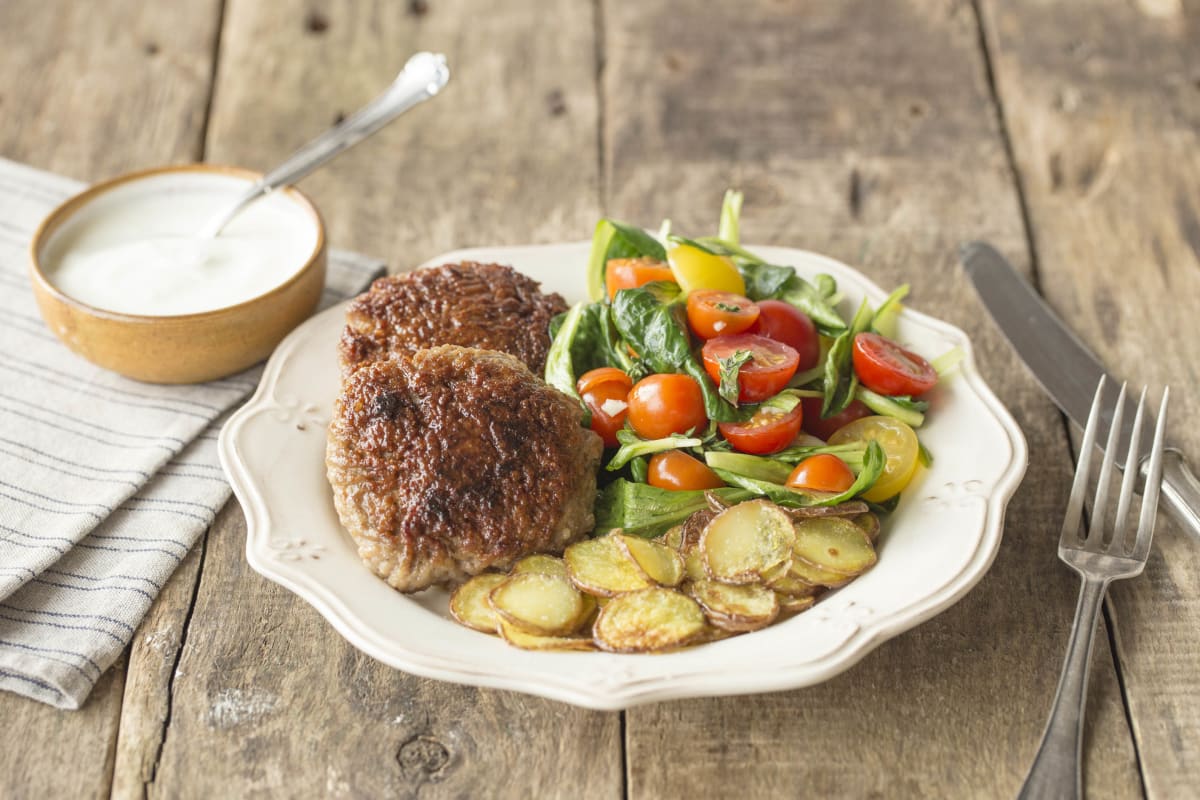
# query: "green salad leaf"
(633, 446)
(728, 369)
(647, 511)
(874, 460)
(613, 239)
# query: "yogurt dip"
(135, 248)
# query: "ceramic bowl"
(185, 348)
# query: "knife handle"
(1181, 490)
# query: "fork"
(1099, 560)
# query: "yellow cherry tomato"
(695, 269)
(900, 445)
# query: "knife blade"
(1065, 368)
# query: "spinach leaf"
(653, 320)
(874, 461)
(614, 239)
(633, 446)
(902, 407)
(728, 369)
(888, 313)
(648, 511)
(560, 368)
(840, 380)
(639, 469)
(583, 339)
(731, 212)
(813, 301)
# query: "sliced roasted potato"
(834, 544)
(542, 564)
(649, 619)
(693, 565)
(870, 525)
(603, 568)
(792, 585)
(469, 602)
(673, 538)
(817, 576)
(544, 605)
(660, 563)
(746, 541)
(735, 608)
(847, 509)
(531, 641)
(792, 604)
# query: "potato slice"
(735, 608)
(817, 576)
(693, 565)
(647, 620)
(834, 544)
(531, 641)
(660, 563)
(673, 538)
(541, 564)
(870, 525)
(601, 567)
(544, 605)
(744, 542)
(791, 604)
(469, 602)
(793, 586)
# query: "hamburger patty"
(451, 460)
(469, 304)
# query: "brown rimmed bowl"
(185, 348)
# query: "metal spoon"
(422, 77)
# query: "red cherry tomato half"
(821, 473)
(609, 406)
(768, 431)
(630, 273)
(771, 366)
(660, 405)
(711, 313)
(677, 470)
(885, 367)
(824, 428)
(785, 323)
(594, 377)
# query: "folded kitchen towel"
(105, 482)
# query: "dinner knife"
(1065, 368)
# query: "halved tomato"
(697, 269)
(711, 313)
(630, 273)
(772, 364)
(677, 470)
(885, 367)
(768, 431)
(785, 323)
(594, 377)
(899, 443)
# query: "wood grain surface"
(883, 134)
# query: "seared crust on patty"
(451, 460)
(474, 305)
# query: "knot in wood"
(423, 758)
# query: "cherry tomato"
(822, 473)
(772, 364)
(697, 269)
(768, 431)
(677, 470)
(630, 273)
(785, 323)
(711, 313)
(594, 377)
(609, 406)
(824, 428)
(885, 367)
(898, 442)
(660, 405)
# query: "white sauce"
(135, 250)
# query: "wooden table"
(882, 133)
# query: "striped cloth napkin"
(105, 483)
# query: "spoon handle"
(422, 77)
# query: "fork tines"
(1098, 529)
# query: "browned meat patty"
(450, 460)
(474, 305)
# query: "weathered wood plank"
(269, 699)
(1103, 104)
(91, 95)
(864, 130)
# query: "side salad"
(714, 376)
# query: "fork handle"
(1055, 774)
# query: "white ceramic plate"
(934, 548)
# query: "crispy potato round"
(735, 608)
(531, 641)
(834, 544)
(648, 620)
(791, 604)
(602, 568)
(660, 563)
(744, 542)
(817, 576)
(544, 605)
(469, 603)
(541, 564)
